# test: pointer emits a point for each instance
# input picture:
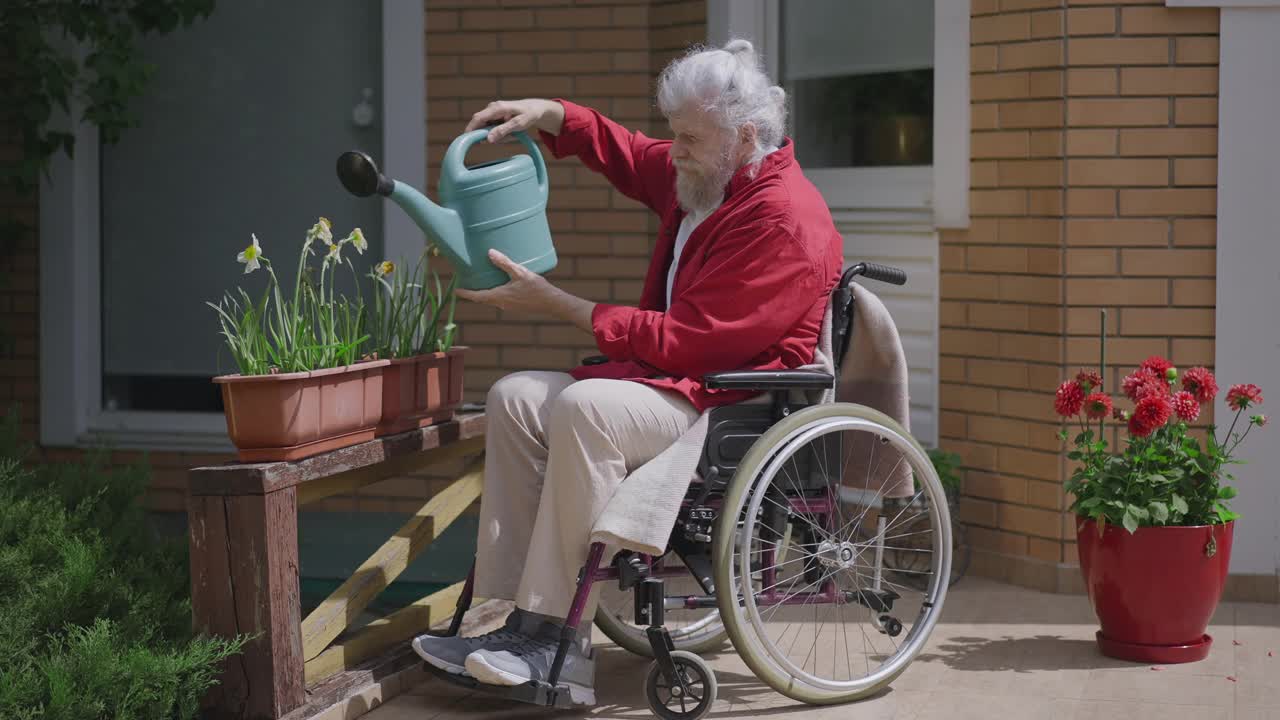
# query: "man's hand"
(516, 115)
(529, 292)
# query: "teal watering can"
(500, 204)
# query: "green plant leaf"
(1130, 520)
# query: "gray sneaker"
(450, 653)
(531, 660)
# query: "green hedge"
(95, 611)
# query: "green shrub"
(95, 611)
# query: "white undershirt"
(687, 225)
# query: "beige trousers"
(555, 451)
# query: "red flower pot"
(290, 416)
(1154, 591)
(421, 390)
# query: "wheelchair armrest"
(770, 380)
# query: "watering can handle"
(457, 152)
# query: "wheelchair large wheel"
(805, 594)
(695, 631)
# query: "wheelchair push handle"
(883, 273)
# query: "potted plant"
(909, 555)
(1153, 522)
(304, 385)
(413, 328)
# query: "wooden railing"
(244, 566)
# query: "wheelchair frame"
(645, 576)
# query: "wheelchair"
(775, 552)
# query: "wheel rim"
(835, 554)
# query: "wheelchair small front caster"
(892, 626)
(689, 697)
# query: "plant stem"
(1233, 427)
(1243, 435)
(1102, 362)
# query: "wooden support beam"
(379, 635)
(352, 480)
(244, 580)
(346, 603)
(259, 478)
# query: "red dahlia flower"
(1151, 413)
(1089, 379)
(1144, 382)
(1200, 382)
(1240, 397)
(1186, 407)
(1097, 406)
(1069, 399)
(1157, 365)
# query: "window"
(128, 231)
(879, 96)
(859, 75)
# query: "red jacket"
(754, 278)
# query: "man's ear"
(747, 134)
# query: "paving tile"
(1257, 713)
(982, 706)
(439, 690)
(1134, 710)
(1160, 687)
(1258, 687)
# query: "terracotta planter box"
(421, 390)
(1154, 591)
(291, 416)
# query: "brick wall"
(1093, 181)
(19, 278)
(601, 53)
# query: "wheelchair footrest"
(532, 692)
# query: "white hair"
(730, 83)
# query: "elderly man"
(745, 260)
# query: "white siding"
(904, 240)
(1248, 289)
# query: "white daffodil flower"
(356, 238)
(322, 231)
(250, 255)
(335, 252)
(385, 268)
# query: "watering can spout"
(442, 225)
(361, 177)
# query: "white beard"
(698, 192)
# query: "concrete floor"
(999, 651)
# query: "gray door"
(240, 128)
